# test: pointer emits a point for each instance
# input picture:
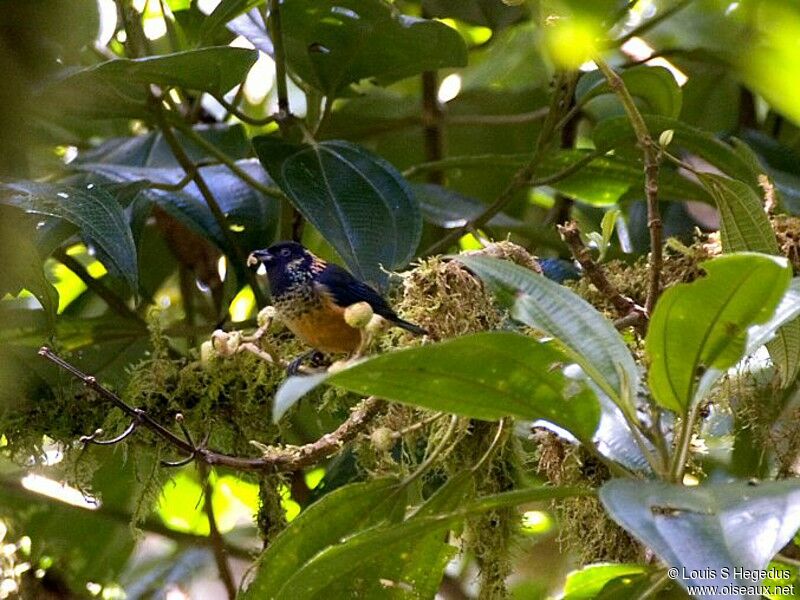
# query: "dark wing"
(346, 290)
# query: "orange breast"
(325, 329)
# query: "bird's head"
(285, 262)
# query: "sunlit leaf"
(704, 324)
(588, 337)
(333, 43)
(484, 376)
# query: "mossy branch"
(278, 460)
(630, 313)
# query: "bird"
(311, 295)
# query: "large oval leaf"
(93, 210)
(118, 88)
(333, 43)
(707, 532)
(704, 324)
(744, 226)
(484, 376)
(359, 202)
(342, 512)
(252, 216)
(589, 338)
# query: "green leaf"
(487, 13)
(615, 132)
(367, 561)
(93, 210)
(253, 216)
(340, 513)
(744, 226)
(525, 496)
(605, 180)
(380, 574)
(704, 324)
(711, 529)
(21, 267)
(359, 202)
(224, 12)
(588, 582)
(587, 336)
(654, 85)
(118, 88)
(484, 376)
(333, 43)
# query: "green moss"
(585, 528)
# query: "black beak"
(260, 257)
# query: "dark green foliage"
(144, 155)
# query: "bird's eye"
(286, 253)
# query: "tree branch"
(279, 460)
(630, 312)
(651, 159)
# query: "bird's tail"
(415, 329)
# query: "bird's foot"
(315, 357)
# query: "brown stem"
(432, 124)
(625, 306)
(214, 535)
(651, 159)
(279, 460)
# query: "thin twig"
(650, 23)
(651, 159)
(437, 452)
(232, 110)
(624, 305)
(492, 447)
(279, 460)
(219, 216)
(228, 162)
(217, 541)
(512, 119)
(559, 105)
(114, 302)
(279, 54)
